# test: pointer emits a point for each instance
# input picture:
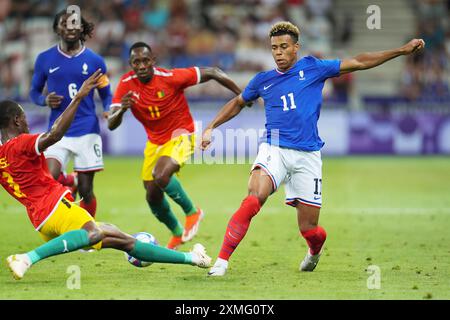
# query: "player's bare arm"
(369, 60)
(116, 113)
(228, 112)
(221, 77)
(64, 121)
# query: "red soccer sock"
(315, 239)
(68, 180)
(90, 207)
(62, 179)
(238, 226)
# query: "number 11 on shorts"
(318, 186)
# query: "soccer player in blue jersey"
(63, 68)
(292, 95)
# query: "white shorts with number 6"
(301, 171)
(86, 151)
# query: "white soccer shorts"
(300, 171)
(86, 151)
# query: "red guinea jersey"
(25, 176)
(160, 105)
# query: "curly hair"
(8, 110)
(285, 27)
(88, 27)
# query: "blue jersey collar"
(292, 68)
(69, 56)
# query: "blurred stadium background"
(401, 107)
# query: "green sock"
(177, 194)
(152, 253)
(164, 214)
(67, 242)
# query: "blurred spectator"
(437, 87)
(296, 11)
(411, 81)
(157, 15)
(346, 31)
(5, 8)
(177, 37)
(321, 8)
(432, 32)
(317, 34)
(110, 32)
(431, 10)
(132, 16)
(342, 88)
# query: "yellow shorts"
(179, 149)
(67, 217)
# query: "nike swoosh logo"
(53, 70)
(265, 88)
(316, 198)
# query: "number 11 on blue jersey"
(285, 103)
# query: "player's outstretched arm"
(64, 121)
(228, 112)
(369, 60)
(116, 113)
(221, 77)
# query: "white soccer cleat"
(18, 264)
(199, 256)
(310, 261)
(219, 269)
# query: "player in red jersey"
(156, 98)
(62, 224)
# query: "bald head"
(9, 110)
(12, 117)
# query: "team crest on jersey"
(160, 94)
(85, 68)
(301, 75)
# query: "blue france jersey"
(65, 75)
(292, 101)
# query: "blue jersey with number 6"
(292, 101)
(64, 75)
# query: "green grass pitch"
(392, 213)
